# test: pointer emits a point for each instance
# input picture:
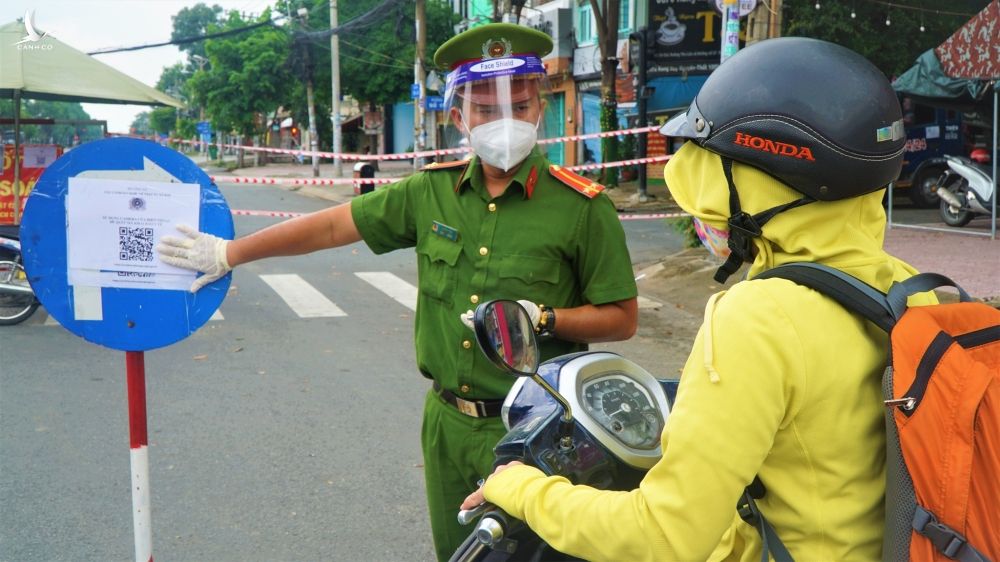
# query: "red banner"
(38, 157)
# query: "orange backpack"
(941, 389)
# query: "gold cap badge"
(496, 48)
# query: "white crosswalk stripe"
(307, 302)
(302, 297)
(401, 291)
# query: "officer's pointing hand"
(197, 251)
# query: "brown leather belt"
(471, 408)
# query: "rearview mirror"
(506, 336)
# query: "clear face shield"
(496, 108)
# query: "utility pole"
(338, 169)
(419, 78)
(641, 37)
(303, 14)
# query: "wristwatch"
(546, 321)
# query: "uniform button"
(474, 299)
(483, 251)
(465, 389)
(492, 207)
(467, 344)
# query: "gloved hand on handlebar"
(199, 251)
(534, 312)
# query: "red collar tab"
(529, 184)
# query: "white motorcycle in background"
(966, 188)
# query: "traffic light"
(295, 131)
(642, 45)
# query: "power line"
(186, 40)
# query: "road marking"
(50, 320)
(217, 315)
(401, 291)
(302, 297)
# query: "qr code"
(135, 244)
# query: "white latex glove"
(466, 318)
(198, 252)
(534, 312)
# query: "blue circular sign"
(95, 306)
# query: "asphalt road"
(272, 437)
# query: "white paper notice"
(39, 156)
(114, 225)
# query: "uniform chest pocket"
(437, 259)
(530, 270)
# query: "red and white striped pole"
(135, 373)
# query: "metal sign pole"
(135, 373)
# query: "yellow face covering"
(846, 234)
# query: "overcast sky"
(89, 25)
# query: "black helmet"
(817, 116)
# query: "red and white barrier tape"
(302, 181)
(619, 163)
(421, 154)
(382, 181)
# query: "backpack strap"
(852, 293)
(946, 540)
(770, 543)
(920, 283)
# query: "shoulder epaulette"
(584, 186)
(434, 166)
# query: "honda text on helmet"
(772, 106)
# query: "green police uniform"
(551, 237)
(541, 240)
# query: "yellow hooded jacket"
(782, 382)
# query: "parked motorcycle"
(17, 300)
(965, 188)
(593, 417)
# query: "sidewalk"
(971, 261)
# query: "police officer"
(504, 224)
(790, 144)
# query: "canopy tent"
(36, 65)
(960, 71)
(926, 82)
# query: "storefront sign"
(686, 36)
(34, 160)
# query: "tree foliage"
(376, 59)
(247, 76)
(193, 22)
(45, 109)
(893, 47)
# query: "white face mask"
(504, 143)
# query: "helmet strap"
(743, 227)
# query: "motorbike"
(17, 299)
(965, 189)
(592, 417)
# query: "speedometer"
(624, 409)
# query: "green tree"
(193, 22)
(892, 48)
(54, 134)
(376, 55)
(247, 76)
(163, 120)
(140, 125)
